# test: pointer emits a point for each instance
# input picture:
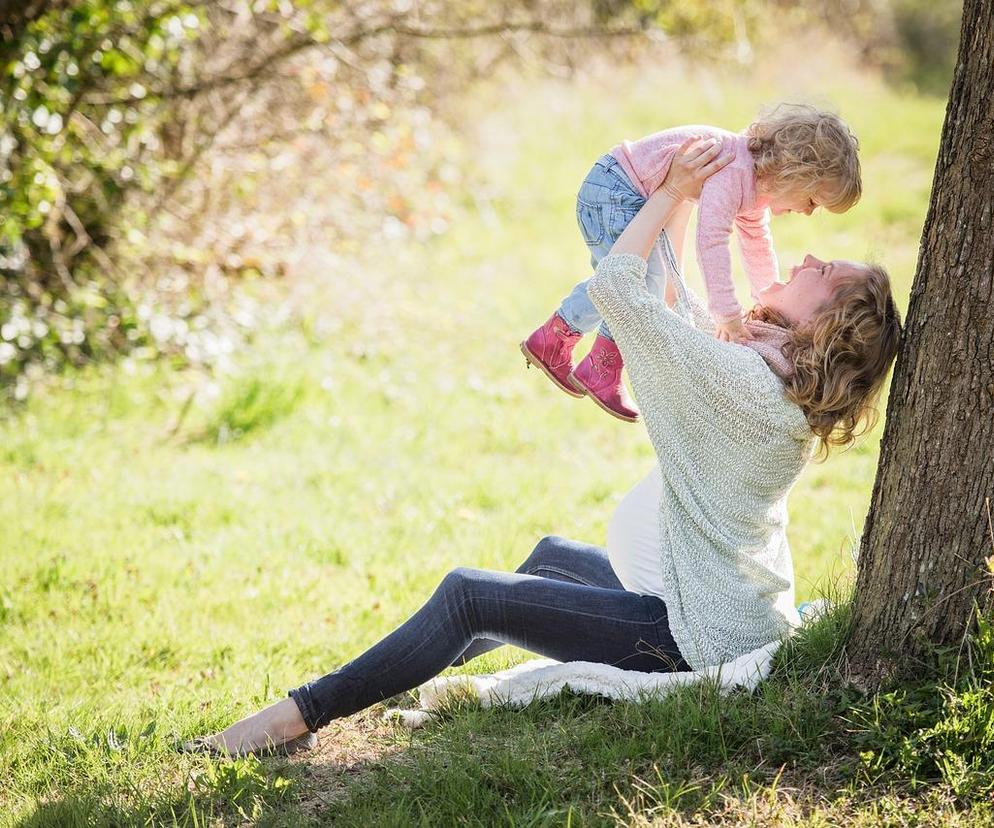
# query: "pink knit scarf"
(768, 341)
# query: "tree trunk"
(923, 558)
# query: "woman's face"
(811, 286)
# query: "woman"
(698, 570)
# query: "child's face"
(780, 203)
(811, 286)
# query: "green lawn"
(159, 584)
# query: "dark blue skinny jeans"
(564, 602)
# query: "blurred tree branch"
(15, 15)
(299, 43)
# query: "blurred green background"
(264, 285)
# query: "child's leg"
(576, 308)
(550, 346)
(655, 277)
(605, 204)
(676, 229)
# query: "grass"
(164, 574)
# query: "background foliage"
(139, 139)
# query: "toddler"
(792, 158)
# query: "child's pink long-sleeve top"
(728, 198)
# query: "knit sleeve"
(699, 311)
(756, 244)
(682, 377)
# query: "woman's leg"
(553, 558)
(556, 619)
(605, 194)
(562, 560)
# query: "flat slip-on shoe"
(307, 741)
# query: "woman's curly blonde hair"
(841, 357)
(797, 148)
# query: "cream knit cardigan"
(730, 446)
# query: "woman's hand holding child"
(696, 160)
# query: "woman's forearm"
(643, 230)
(676, 229)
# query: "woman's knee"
(456, 580)
(546, 550)
(460, 590)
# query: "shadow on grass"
(139, 783)
(569, 757)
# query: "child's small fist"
(732, 331)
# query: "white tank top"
(633, 544)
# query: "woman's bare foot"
(273, 726)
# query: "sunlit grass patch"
(250, 403)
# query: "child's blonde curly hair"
(841, 357)
(799, 148)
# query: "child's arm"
(756, 244)
(720, 199)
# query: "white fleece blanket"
(540, 677)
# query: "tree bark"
(924, 557)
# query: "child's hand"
(732, 331)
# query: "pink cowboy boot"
(551, 349)
(599, 376)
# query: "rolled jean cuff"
(302, 698)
